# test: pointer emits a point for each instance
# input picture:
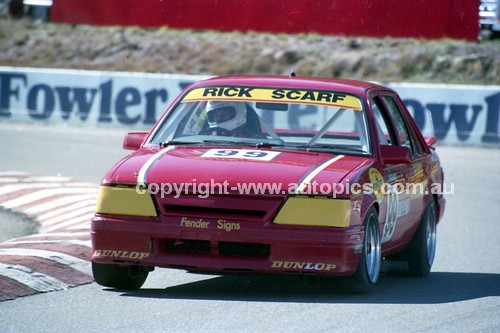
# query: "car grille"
(188, 246)
(253, 250)
(227, 212)
(230, 249)
(236, 207)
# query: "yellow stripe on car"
(315, 211)
(125, 201)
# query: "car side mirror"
(430, 141)
(395, 154)
(134, 140)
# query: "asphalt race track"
(461, 294)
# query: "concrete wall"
(455, 114)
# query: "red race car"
(272, 174)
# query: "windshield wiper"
(205, 142)
(330, 147)
(267, 144)
(223, 142)
(179, 143)
(244, 143)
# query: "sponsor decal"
(227, 226)
(434, 170)
(241, 154)
(403, 207)
(417, 173)
(303, 96)
(392, 213)
(198, 224)
(392, 178)
(303, 265)
(121, 254)
(202, 224)
(418, 182)
(377, 180)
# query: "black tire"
(116, 276)
(420, 253)
(369, 264)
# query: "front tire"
(370, 262)
(119, 277)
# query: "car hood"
(196, 165)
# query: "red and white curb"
(58, 257)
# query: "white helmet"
(226, 115)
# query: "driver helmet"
(226, 115)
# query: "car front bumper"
(251, 248)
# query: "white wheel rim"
(372, 249)
(431, 234)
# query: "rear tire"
(421, 251)
(116, 276)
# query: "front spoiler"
(292, 249)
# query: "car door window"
(385, 137)
(402, 132)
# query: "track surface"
(461, 294)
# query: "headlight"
(125, 201)
(315, 211)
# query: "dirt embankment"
(24, 43)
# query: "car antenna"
(292, 74)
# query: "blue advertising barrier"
(454, 114)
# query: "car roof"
(296, 82)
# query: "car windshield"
(289, 118)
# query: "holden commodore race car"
(272, 174)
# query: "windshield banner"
(274, 95)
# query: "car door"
(411, 204)
(394, 205)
